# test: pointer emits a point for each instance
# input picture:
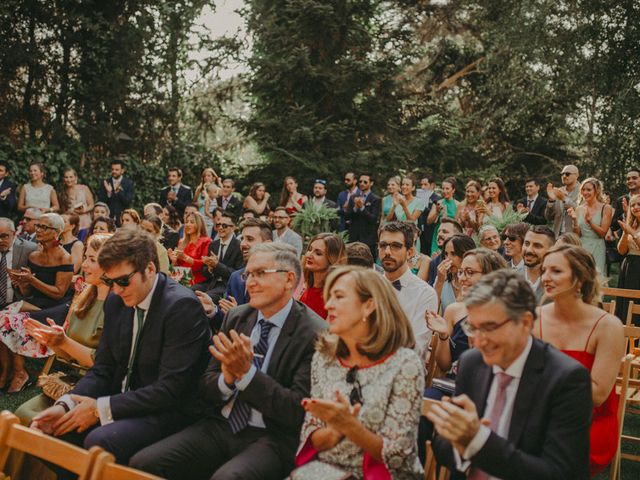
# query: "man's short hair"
(178, 170)
(8, 222)
(405, 228)
(251, 211)
(366, 174)
(156, 207)
(544, 230)
(34, 213)
(629, 170)
(281, 209)
(285, 256)
(103, 205)
(229, 179)
(519, 229)
(508, 287)
(359, 253)
(456, 226)
(265, 229)
(5, 164)
(227, 214)
(131, 245)
(486, 228)
(117, 161)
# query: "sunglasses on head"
(356, 392)
(124, 281)
(321, 181)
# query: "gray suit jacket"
(21, 251)
(556, 211)
(290, 237)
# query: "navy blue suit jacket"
(120, 200)
(171, 356)
(183, 198)
(9, 204)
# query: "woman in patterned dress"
(366, 383)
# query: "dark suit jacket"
(236, 288)
(120, 200)
(341, 200)
(549, 431)
(9, 204)
(619, 213)
(169, 237)
(234, 206)
(229, 263)
(171, 356)
(276, 394)
(364, 224)
(536, 214)
(183, 198)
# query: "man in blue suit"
(117, 191)
(176, 194)
(152, 351)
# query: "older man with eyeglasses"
(151, 354)
(561, 199)
(254, 385)
(521, 408)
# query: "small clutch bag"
(316, 470)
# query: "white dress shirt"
(9, 257)
(416, 297)
(514, 370)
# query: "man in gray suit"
(561, 199)
(282, 233)
(14, 253)
(253, 386)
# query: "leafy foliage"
(314, 219)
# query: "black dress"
(629, 279)
(55, 309)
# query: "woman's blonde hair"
(85, 300)
(597, 186)
(389, 328)
(634, 221)
(201, 228)
(584, 273)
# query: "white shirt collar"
(517, 366)
(146, 303)
(532, 199)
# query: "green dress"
(86, 331)
(448, 212)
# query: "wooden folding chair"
(431, 471)
(609, 307)
(433, 371)
(16, 437)
(620, 294)
(106, 469)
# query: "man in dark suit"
(151, 354)
(533, 204)
(176, 194)
(117, 191)
(622, 203)
(351, 182)
(223, 258)
(534, 401)
(227, 200)
(253, 386)
(364, 213)
(8, 202)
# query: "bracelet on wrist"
(63, 405)
(446, 337)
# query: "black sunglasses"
(356, 392)
(123, 281)
(566, 174)
(511, 238)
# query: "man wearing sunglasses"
(512, 239)
(253, 386)
(28, 227)
(364, 213)
(151, 354)
(534, 401)
(561, 199)
(223, 257)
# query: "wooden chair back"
(609, 307)
(14, 436)
(627, 387)
(106, 469)
(432, 366)
(621, 293)
(632, 337)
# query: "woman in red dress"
(290, 198)
(192, 247)
(324, 251)
(593, 337)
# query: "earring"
(364, 319)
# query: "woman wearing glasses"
(324, 251)
(193, 246)
(84, 325)
(450, 328)
(576, 326)
(44, 283)
(366, 384)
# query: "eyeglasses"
(123, 281)
(356, 392)
(394, 246)
(471, 331)
(42, 226)
(319, 180)
(281, 217)
(259, 274)
(223, 225)
(512, 238)
(363, 181)
(566, 174)
(467, 272)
